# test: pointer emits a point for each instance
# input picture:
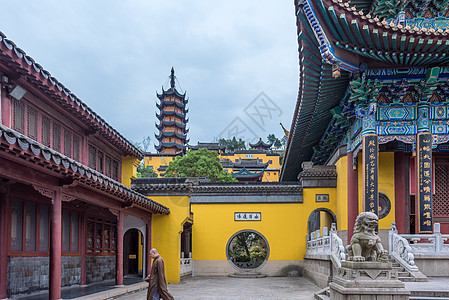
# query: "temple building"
(172, 135)
(372, 104)
(67, 213)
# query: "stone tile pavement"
(196, 288)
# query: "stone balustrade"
(186, 265)
(429, 244)
(329, 244)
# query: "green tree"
(145, 172)
(233, 144)
(201, 163)
(277, 144)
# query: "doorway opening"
(133, 252)
(320, 218)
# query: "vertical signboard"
(424, 181)
(370, 173)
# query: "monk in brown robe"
(157, 288)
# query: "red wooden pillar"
(83, 248)
(56, 247)
(148, 248)
(3, 241)
(119, 256)
(399, 191)
(353, 199)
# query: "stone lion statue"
(365, 243)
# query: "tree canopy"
(233, 144)
(145, 172)
(277, 143)
(200, 163)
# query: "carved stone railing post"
(400, 249)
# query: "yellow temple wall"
(156, 161)
(342, 193)
(129, 169)
(166, 233)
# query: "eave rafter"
(383, 41)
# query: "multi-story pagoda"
(373, 102)
(172, 120)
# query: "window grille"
(92, 157)
(108, 166)
(19, 116)
(32, 123)
(46, 131)
(439, 202)
(101, 236)
(100, 162)
(57, 137)
(76, 148)
(26, 219)
(67, 143)
(115, 170)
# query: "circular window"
(247, 249)
(384, 206)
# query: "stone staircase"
(324, 294)
(405, 275)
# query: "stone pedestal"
(367, 280)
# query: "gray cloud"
(114, 55)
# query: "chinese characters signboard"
(424, 176)
(370, 173)
(247, 216)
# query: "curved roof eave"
(49, 85)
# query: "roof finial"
(172, 78)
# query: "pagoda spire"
(172, 78)
(172, 135)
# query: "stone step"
(427, 298)
(406, 279)
(323, 294)
(403, 274)
(247, 275)
(441, 293)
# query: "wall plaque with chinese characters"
(370, 173)
(247, 216)
(424, 176)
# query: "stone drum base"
(367, 280)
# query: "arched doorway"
(321, 217)
(132, 252)
(247, 249)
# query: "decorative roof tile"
(17, 144)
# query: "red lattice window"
(76, 147)
(100, 162)
(46, 131)
(101, 236)
(115, 170)
(92, 157)
(67, 143)
(57, 137)
(108, 166)
(32, 123)
(19, 116)
(440, 203)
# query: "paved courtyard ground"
(237, 288)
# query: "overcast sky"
(237, 60)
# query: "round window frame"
(241, 269)
(385, 212)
